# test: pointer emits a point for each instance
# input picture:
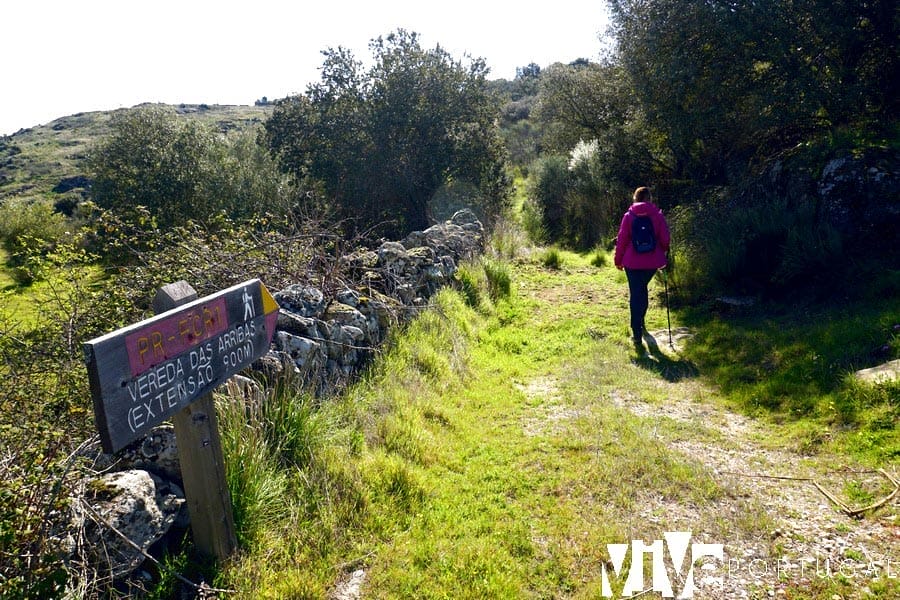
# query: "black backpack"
(643, 238)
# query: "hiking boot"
(638, 345)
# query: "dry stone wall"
(318, 337)
(322, 338)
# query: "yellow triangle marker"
(268, 302)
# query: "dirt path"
(812, 539)
(807, 541)
(804, 542)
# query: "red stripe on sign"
(156, 343)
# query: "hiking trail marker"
(168, 366)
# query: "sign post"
(168, 366)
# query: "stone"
(884, 373)
(680, 337)
(272, 364)
(344, 314)
(348, 297)
(350, 588)
(736, 301)
(392, 256)
(138, 504)
(466, 217)
(304, 353)
(303, 299)
(420, 256)
(297, 324)
(156, 453)
(362, 260)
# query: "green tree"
(726, 80)
(593, 104)
(381, 143)
(152, 159)
(522, 134)
(834, 60)
(181, 169)
(692, 64)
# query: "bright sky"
(61, 57)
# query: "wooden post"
(200, 454)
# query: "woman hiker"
(641, 248)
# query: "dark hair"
(642, 194)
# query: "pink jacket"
(626, 256)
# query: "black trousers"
(638, 298)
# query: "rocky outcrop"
(860, 193)
(856, 193)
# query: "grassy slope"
(495, 463)
(33, 161)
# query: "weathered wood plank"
(143, 374)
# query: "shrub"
(533, 221)
(548, 188)
(29, 227)
(596, 202)
(767, 244)
(184, 170)
(575, 201)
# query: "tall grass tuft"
(470, 280)
(507, 239)
(551, 258)
(256, 482)
(499, 283)
(599, 259)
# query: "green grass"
(24, 306)
(482, 457)
(793, 365)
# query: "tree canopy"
(381, 143)
(729, 79)
(181, 169)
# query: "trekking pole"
(668, 317)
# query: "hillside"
(46, 161)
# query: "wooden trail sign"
(144, 373)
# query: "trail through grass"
(538, 437)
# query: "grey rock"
(297, 324)
(304, 353)
(303, 299)
(138, 504)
